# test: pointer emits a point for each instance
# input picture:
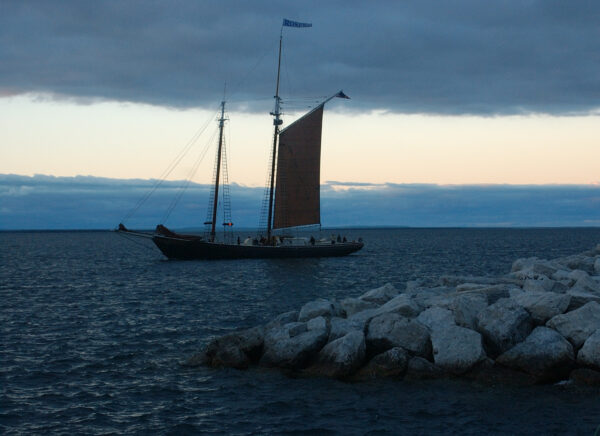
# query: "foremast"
(218, 170)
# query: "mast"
(276, 123)
(219, 153)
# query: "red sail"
(297, 192)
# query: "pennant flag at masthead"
(290, 23)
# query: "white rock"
(318, 323)
(577, 325)
(543, 305)
(541, 284)
(589, 355)
(294, 352)
(342, 326)
(587, 284)
(380, 295)
(436, 318)
(503, 324)
(391, 363)
(580, 298)
(403, 305)
(456, 349)
(393, 330)
(544, 354)
(312, 309)
(467, 306)
(355, 305)
(492, 292)
(343, 356)
(577, 274)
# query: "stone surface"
(577, 325)
(456, 349)
(312, 309)
(492, 292)
(391, 363)
(541, 284)
(503, 324)
(589, 354)
(545, 354)
(597, 266)
(351, 306)
(543, 305)
(342, 326)
(341, 357)
(235, 350)
(467, 306)
(436, 318)
(419, 368)
(403, 305)
(580, 298)
(380, 295)
(293, 352)
(393, 330)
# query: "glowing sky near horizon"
(41, 135)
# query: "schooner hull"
(175, 248)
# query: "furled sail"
(297, 191)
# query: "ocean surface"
(93, 330)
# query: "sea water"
(93, 330)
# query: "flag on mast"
(290, 23)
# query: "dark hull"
(175, 248)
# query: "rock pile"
(539, 323)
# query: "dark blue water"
(93, 329)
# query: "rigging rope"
(188, 180)
(169, 169)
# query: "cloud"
(83, 202)
(426, 56)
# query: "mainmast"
(219, 154)
(277, 121)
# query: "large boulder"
(391, 363)
(503, 324)
(532, 267)
(492, 292)
(589, 355)
(284, 349)
(350, 306)
(403, 305)
(393, 330)
(419, 368)
(577, 325)
(541, 284)
(436, 318)
(380, 295)
(342, 326)
(456, 349)
(235, 350)
(545, 354)
(466, 307)
(319, 307)
(341, 357)
(580, 298)
(543, 305)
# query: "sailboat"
(293, 195)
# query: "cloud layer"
(46, 202)
(427, 56)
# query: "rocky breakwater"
(540, 323)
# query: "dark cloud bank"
(46, 202)
(467, 56)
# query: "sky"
(464, 95)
